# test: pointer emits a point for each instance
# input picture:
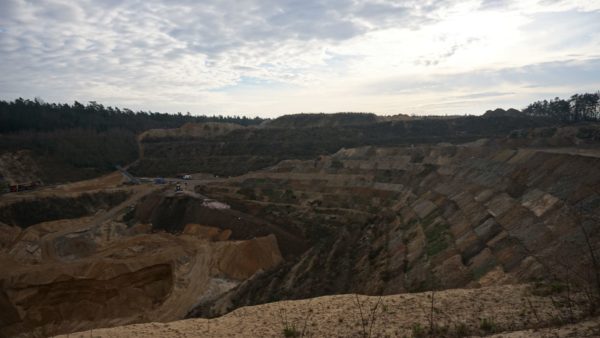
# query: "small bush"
(460, 330)
(437, 240)
(418, 331)
(336, 164)
(487, 325)
(548, 288)
(291, 332)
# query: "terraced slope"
(391, 220)
(369, 220)
(228, 151)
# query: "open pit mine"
(495, 213)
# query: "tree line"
(76, 141)
(578, 108)
(35, 115)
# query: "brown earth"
(110, 181)
(367, 220)
(408, 219)
(206, 232)
(173, 212)
(95, 282)
(71, 260)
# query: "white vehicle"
(187, 177)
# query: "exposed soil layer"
(172, 213)
(27, 212)
(127, 279)
(392, 220)
(71, 273)
(241, 150)
(367, 220)
(87, 299)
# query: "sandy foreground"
(506, 311)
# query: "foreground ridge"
(459, 312)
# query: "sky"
(273, 57)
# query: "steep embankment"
(234, 151)
(190, 130)
(29, 211)
(61, 272)
(390, 220)
(64, 155)
(172, 213)
(105, 276)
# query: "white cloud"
(286, 56)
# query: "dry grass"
(458, 313)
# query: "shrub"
(460, 330)
(418, 331)
(487, 325)
(291, 332)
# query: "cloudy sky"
(273, 57)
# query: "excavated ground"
(369, 220)
(27, 212)
(72, 258)
(408, 219)
(172, 212)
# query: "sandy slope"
(78, 273)
(508, 308)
